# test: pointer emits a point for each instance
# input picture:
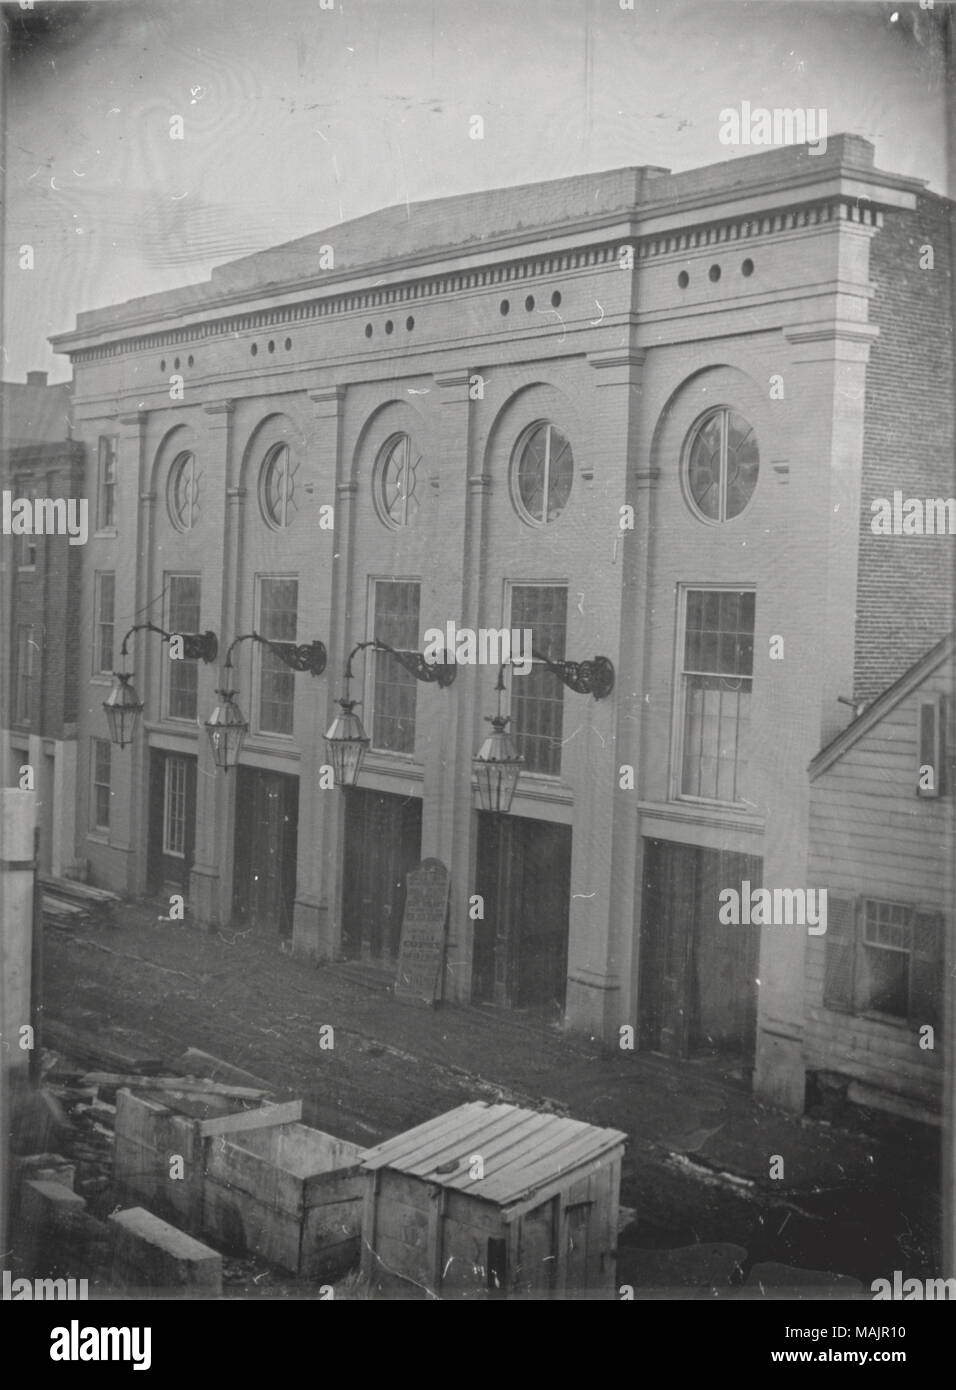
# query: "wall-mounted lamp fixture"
(497, 763)
(594, 677)
(227, 726)
(123, 705)
(346, 739)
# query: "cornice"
(742, 227)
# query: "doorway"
(698, 977)
(520, 954)
(267, 833)
(172, 821)
(383, 839)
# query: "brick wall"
(905, 598)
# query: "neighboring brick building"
(41, 587)
(481, 387)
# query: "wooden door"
(172, 821)
(698, 989)
(383, 837)
(267, 827)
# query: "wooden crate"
(491, 1201)
(152, 1129)
(289, 1193)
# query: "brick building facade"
(642, 414)
(40, 606)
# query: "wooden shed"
(494, 1201)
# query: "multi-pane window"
(542, 472)
(174, 807)
(182, 616)
(395, 481)
(27, 543)
(395, 605)
(26, 663)
(537, 699)
(278, 602)
(715, 687)
(277, 487)
(106, 483)
(884, 958)
(930, 773)
(182, 492)
(104, 624)
(100, 784)
(720, 465)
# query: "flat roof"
(521, 1150)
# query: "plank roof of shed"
(520, 1149)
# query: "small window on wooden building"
(883, 958)
(930, 772)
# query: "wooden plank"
(244, 1120)
(171, 1083)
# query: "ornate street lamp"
(227, 726)
(497, 763)
(123, 705)
(346, 738)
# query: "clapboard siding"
(871, 835)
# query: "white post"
(17, 821)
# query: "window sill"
(106, 533)
(704, 813)
(98, 837)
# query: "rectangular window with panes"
(883, 958)
(26, 545)
(536, 700)
(106, 483)
(277, 603)
(104, 621)
(931, 778)
(394, 691)
(25, 674)
(100, 784)
(174, 806)
(182, 615)
(714, 693)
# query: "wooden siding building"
(881, 843)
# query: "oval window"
(721, 465)
(542, 472)
(277, 487)
(396, 481)
(182, 492)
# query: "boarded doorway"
(521, 946)
(383, 840)
(267, 833)
(698, 984)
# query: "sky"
(296, 117)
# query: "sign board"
(421, 955)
